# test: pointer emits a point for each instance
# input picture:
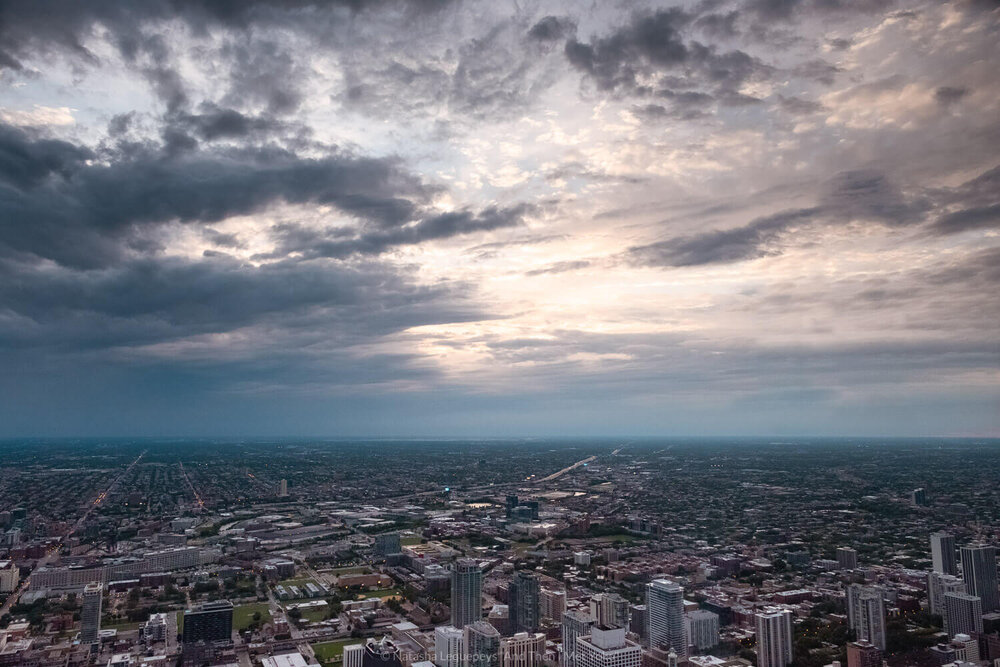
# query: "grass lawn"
(243, 616)
(120, 627)
(180, 622)
(357, 569)
(379, 593)
(300, 582)
(331, 652)
(406, 541)
(314, 615)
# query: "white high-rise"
(449, 646)
(607, 648)
(774, 637)
(354, 655)
(553, 603)
(524, 649)
(466, 592)
(703, 629)
(665, 606)
(90, 615)
(943, 553)
(866, 614)
(937, 585)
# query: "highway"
(560, 473)
(53, 551)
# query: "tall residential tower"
(466, 592)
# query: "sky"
(723, 217)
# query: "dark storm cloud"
(651, 57)
(552, 28)
(147, 301)
(339, 243)
(46, 26)
(26, 163)
(214, 122)
(58, 207)
(262, 72)
(948, 95)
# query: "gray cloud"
(561, 267)
(798, 106)
(147, 301)
(341, 244)
(869, 194)
(552, 28)
(948, 95)
(858, 195)
(60, 208)
(492, 74)
(262, 72)
(651, 57)
(720, 246)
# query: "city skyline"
(444, 218)
(498, 554)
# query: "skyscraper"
(607, 648)
(387, 544)
(553, 603)
(482, 645)
(574, 624)
(353, 656)
(979, 570)
(90, 615)
(774, 637)
(610, 609)
(466, 592)
(863, 654)
(283, 488)
(449, 646)
(665, 606)
(209, 622)
(702, 629)
(963, 614)
(523, 602)
(866, 614)
(943, 553)
(639, 621)
(937, 585)
(524, 649)
(847, 558)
